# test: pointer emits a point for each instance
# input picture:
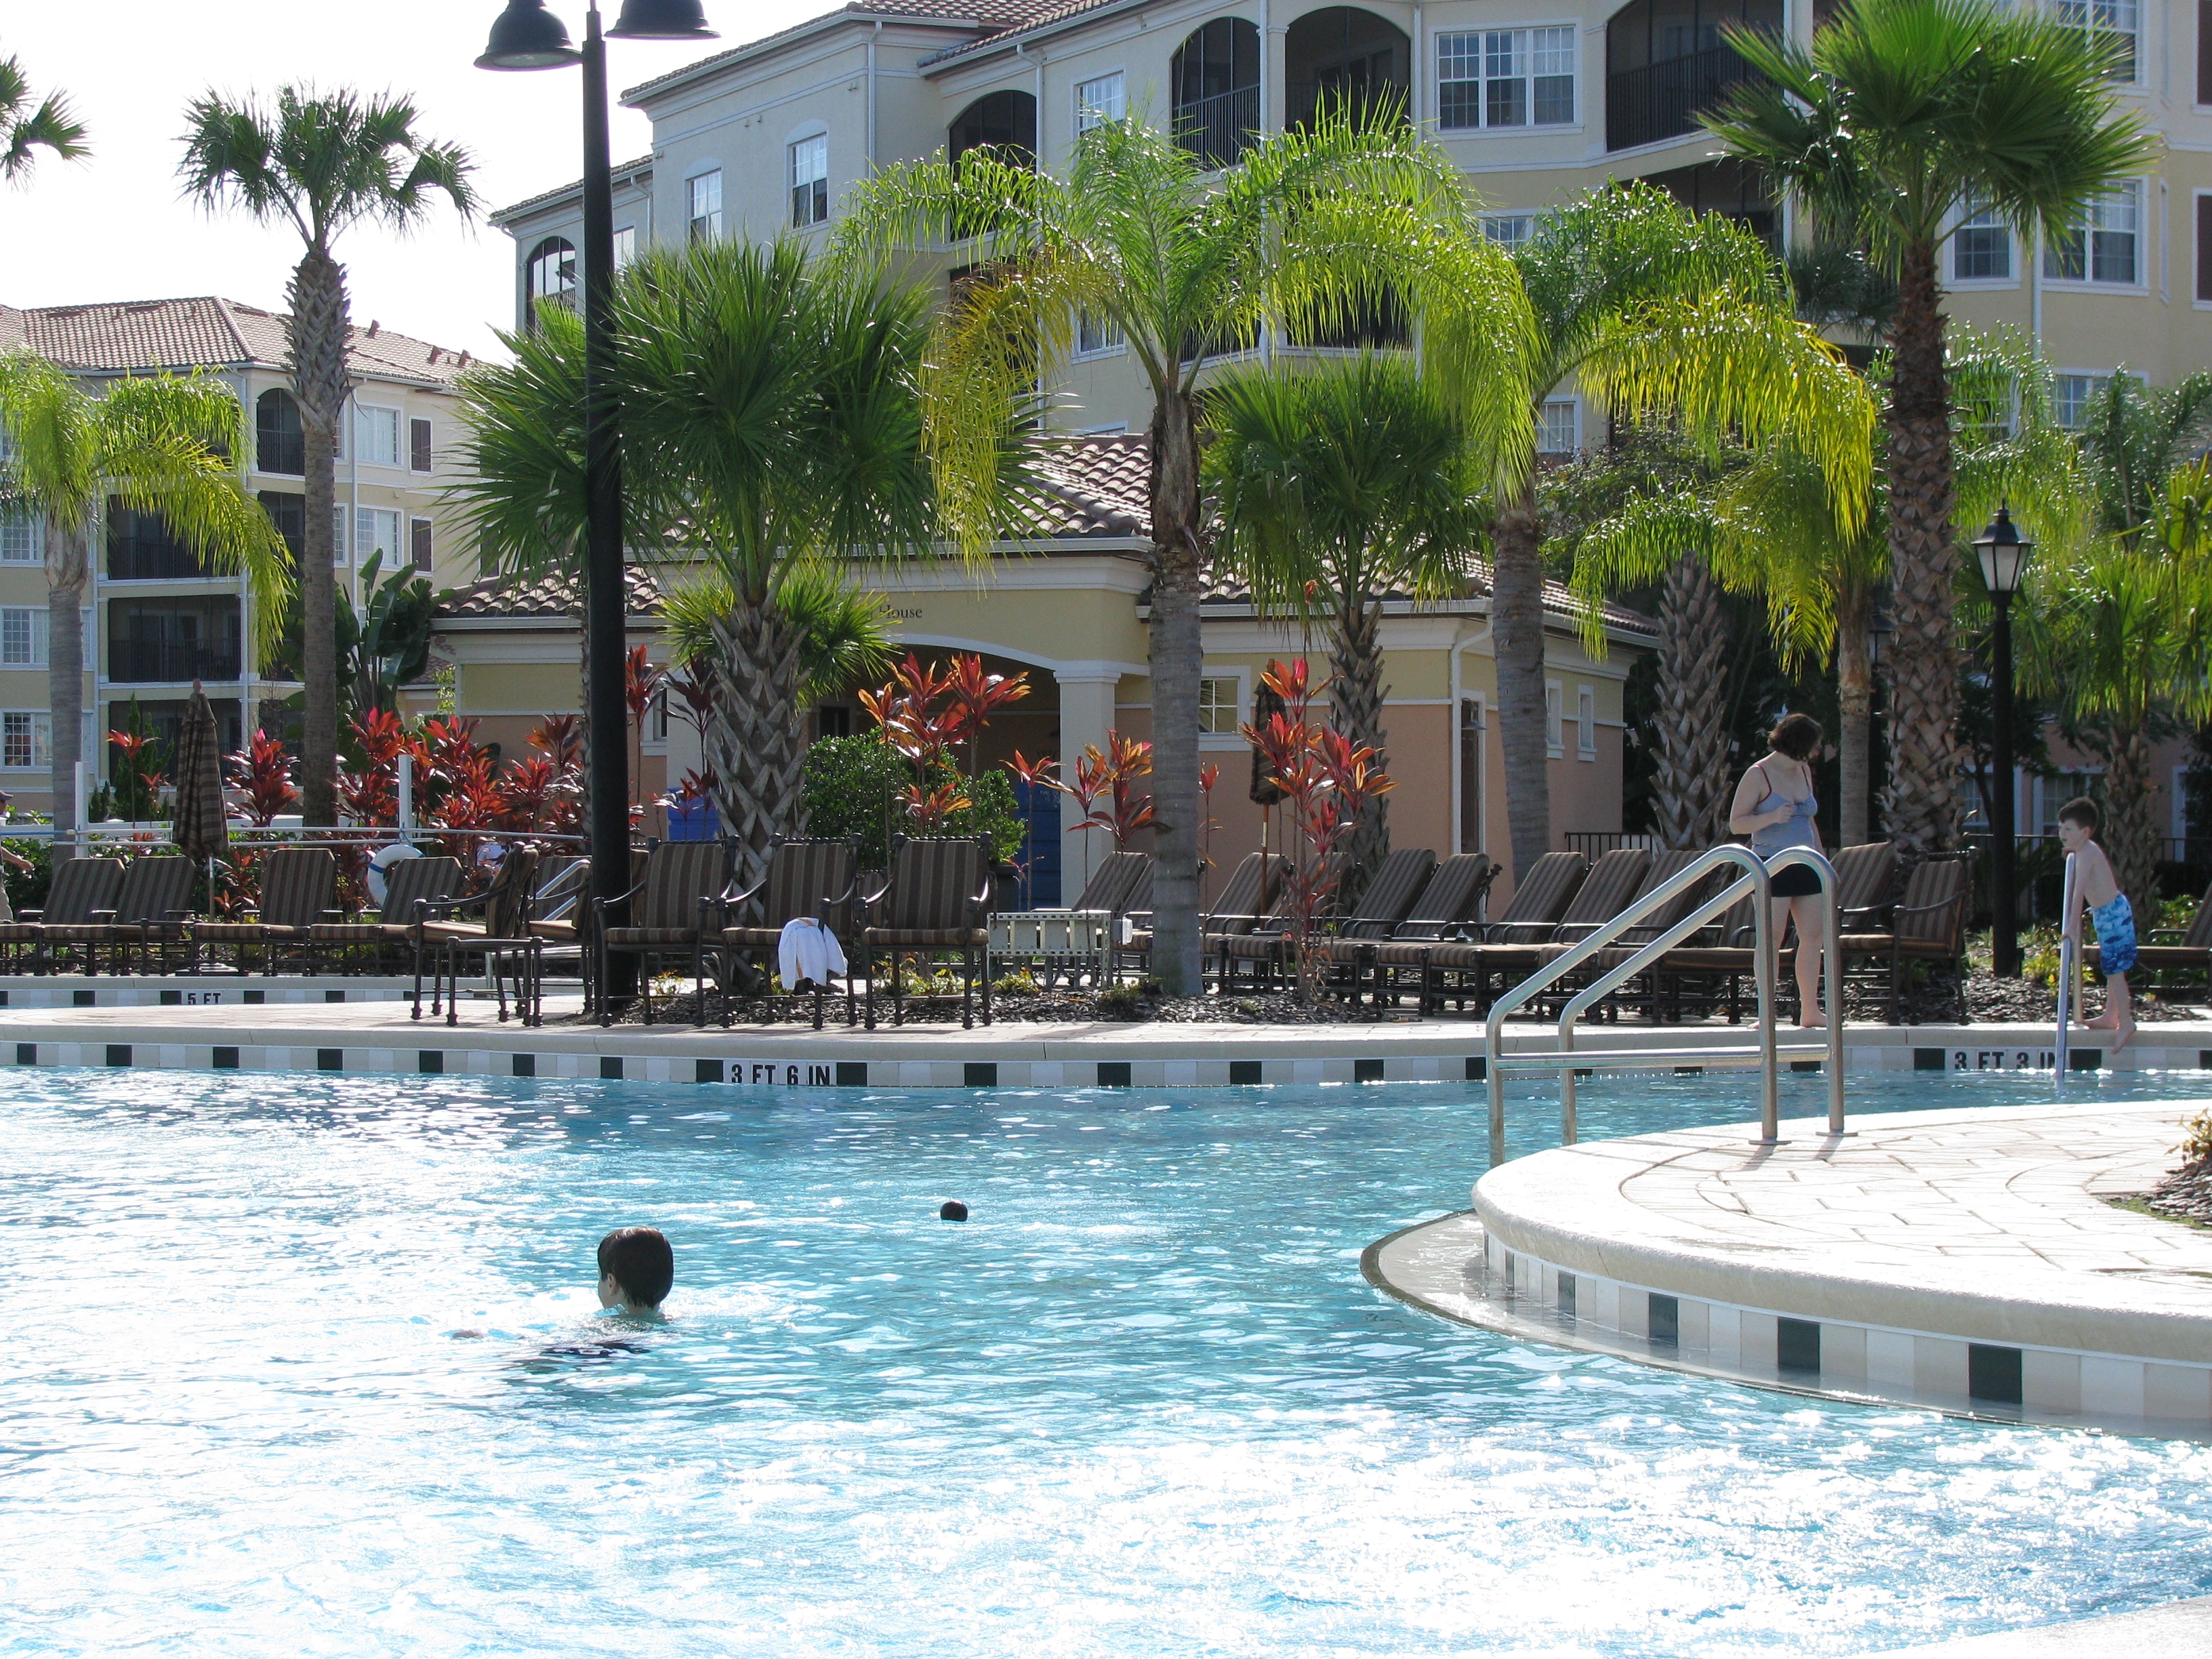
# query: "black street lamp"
(2003, 556)
(526, 36)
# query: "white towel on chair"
(806, 950)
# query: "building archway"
(1343, 60)
(1215, 81)
(1005, 122)
(1666, 60)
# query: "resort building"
(156, 620)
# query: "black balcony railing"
(1662, 100)
(1220, 129)
(173, 662)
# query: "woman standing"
(1774, 805)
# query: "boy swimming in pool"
(637, 1268)
(2079, 820)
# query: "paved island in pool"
(1970, 1260)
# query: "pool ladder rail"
(1754, 879)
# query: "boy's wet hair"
(642, 1263)
(2084, 811)
(1796, 735)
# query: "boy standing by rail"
(2079, 820)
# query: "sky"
(113, 226)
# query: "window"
(2103, 247)
(1981, 247)
(2204, 51)
(2112, 22)
(1095, 335)
(706, 216)
(419, 537)
(549, 278)
(376, 530)
(810, 181)
(377, 432)
(1557, 428)
(418, 446)
(2204, 268)
(1555, 736)
(338, 537)
(1586, 722)
(1218, 706)
(1100, 100)
(26, 739)
(280, 443)
(1510, 231)
(2070, 397)
(625, 246)
(22, 538)
(1506, 78)
(22, 637)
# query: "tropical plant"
(262, 773)
(322, 162)
(1898, 116)
(844, 629)
(1664, 316)
(23, 128)
(2134, 436)
(166, 446)
(1335, 487)
(138, 774)
(854, 787)
(1314, 233)
(1103, 787)
(926, 713)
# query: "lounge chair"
(1250, 892)
(937, 899)
(1665, 866)
(1928, 925)
(1865, 877)
(1448, 903)
(151, 904)
(1264, 946)
(672, 915)
(1511, 949)
(815, 876)
(83, 889)
(299, 886)
(500, 940)
(1082, 935)
(2187, 951)
(411, 885)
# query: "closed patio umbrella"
(202, 829)
(1266, 703)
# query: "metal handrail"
(2070, 940)
(1756, 880)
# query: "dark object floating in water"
(952, 1210)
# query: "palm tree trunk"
(67, 566)
(319, 328)
(754, 740)
(1691, 782)
(1177, 651)
(2131, 833)
(1921, 801)
(1356, 695)
(1517, 627)
(1855, 715)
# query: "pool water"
(1142, 1404)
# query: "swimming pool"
(1142, 1404)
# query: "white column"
(1086, 714)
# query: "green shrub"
(27, 889)
(852, 789)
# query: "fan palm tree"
(1312, 234)
(322, 162)
(24, 128)
(1900, 115)
(166, 445)
(1661, 315)
(1334, 487)
(772, 411)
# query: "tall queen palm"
(166, 446)
(1900, 115)
(322, 162)
(1310, 235)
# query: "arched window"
(1004, 121)
(552, 275)
(1665, 60)
(1215, 74)
(1341, 60)
(280, 444)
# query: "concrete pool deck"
(1969, 1261)
(2180, 1627)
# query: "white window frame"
(811, 151)
(1555, 720)
(37, 724)
(340, 539)
(1977, 216)
(702, 218)
(22, 538)
(1476, 49)
(1497, 229)
(1586, 722)
(1088, 115)
(29, 622)
(2085, 14)
(384, 416)
(2138, 197)
(1108, 340)
(1574, 406)
(2098, 379)
(1242, 679)
(625, 246)
(368, 527)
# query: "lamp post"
(2003, 555)
(526, 36)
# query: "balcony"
(1663, 100)
(170, 662)
(1220, 129)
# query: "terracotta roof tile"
(206, 331)
(987, 16)
(550, 595)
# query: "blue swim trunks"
(2116, 935)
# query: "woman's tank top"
(1793, 832)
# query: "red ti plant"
(1102, 786)
(925, 711)
(559, 739)
(1326, 782)
(262, 772)
(972, 696)
(640, 684)
(1208, 776)
(371, 796)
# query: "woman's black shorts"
(1795, 881)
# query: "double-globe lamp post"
(2003, 557)
(526, 36)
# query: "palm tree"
(1660, 315)
(1313, 235)
(1334, 487)
(2134, 436)
(322, 162)
(1900, 115)
(771, 413)
(166, 445)
(23, 129)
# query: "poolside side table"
(1058, 939)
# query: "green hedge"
(852, 789)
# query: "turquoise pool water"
(1143, 1404)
